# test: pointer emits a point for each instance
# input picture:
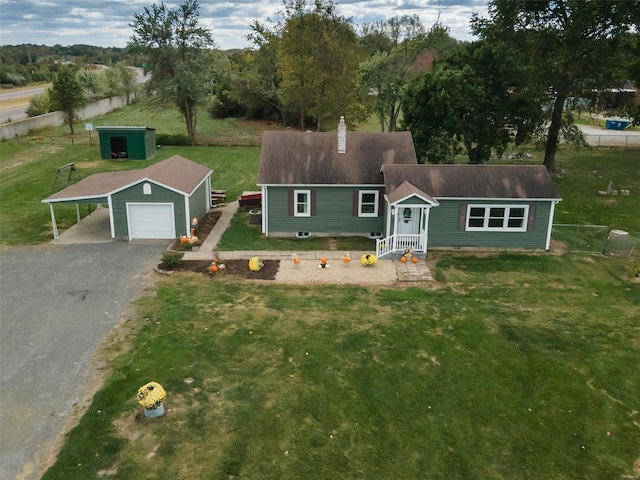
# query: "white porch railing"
(397, 243)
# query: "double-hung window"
(368, 203)
(511, 218)
(302, 203)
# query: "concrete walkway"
(406, 272)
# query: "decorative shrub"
(171, 259)
(179, 139)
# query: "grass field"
(509, 366)
(513, 367)
(28, 170)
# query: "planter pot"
(154, 412)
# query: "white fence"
(400, 242)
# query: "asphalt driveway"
(56, 305)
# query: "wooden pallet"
(218, 196)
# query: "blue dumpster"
(616, 124)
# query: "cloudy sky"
(106, 23)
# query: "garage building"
(156, 202)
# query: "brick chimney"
(342, 136)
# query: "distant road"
(20, 112)
(22, 93)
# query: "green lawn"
(518, 367)
(509, 366)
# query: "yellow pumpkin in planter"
(255, 264)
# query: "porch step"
(413, 272)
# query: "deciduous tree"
(66, 93)
(572, 46)
(175, 46)
(385, 75)
(475, 97)
(317, 57)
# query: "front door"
(409, 220)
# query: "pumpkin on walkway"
(368, 259)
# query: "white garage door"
(150, 220)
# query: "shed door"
(151, 220)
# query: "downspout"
(265, 209)
(187, 216)
(551, 213)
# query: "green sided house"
(370, 184)
(156, 202)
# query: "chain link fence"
(79, 138)
(623, 141)
(593, 239)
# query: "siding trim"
(462, 217)
(496, 199)
(531, 220)
(354, 203)
(291, 202)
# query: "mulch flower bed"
(239, 268)
(203, 229)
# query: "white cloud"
(106, 23)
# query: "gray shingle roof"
(474, 181)
(175, 172)
(311, 158)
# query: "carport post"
(53, 223)
(78, 213)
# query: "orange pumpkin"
(403, 259)
(214, 267)
(184, 239)
(346, 259)
(323, 260)
(414, 260)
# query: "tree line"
(29, 63)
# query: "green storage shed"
(134, 143)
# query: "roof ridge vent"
(342, 136)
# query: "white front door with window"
(408, 220)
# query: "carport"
(156, 202)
